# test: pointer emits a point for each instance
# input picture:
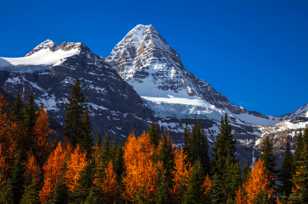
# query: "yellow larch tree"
(140, 171)
(53, 170)
(75, 166)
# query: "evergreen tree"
(18, 108)
(118, 161)
(6, 194)
(76, 123)
(225, 165)
(94, 197)
(154, 133)
(287, 171)
(17, 178)
(85, 139)
(162, 189)
(29, 121)
(196, 147)
(217, 193)
(300, 176)
(194, 191)
(165, 155)
(224, 148)
(267, 156)
(299, 148)
(30, 195)
(60, 194)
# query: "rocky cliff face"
(49, 71)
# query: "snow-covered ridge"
(45, 54)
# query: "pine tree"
(76, 122)
(29, 119)
(287, 171)
(267, 156)
(85, 139)
(300, 177)
(166, 156)
(194, 193)
(225, 165)
(6, 194)
(18, 108)
(217, 193)
(162, 191)
(118, 161)
(30, 195)
(17, 178)
(59, 195)
(154, 133)
(196, 146)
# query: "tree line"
(36, 167)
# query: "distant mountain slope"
(49, 70)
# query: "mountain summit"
(147, 62)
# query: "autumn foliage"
(140, 177)
(53, 169)
(144, 169)
(256, 183)
(75, 165)
(181, 173)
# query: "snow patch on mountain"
(43, 55)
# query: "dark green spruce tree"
(154, 133)
(194, 193)
(18, 108)
(17, 177)
(286, 172)
(31, 193)
(196, 147)
(217, 193)
(6, 194)
(267, 155)
(76, 123)
(29, 121)
(165, 155)
(225, 165)
(300, 176)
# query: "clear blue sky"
(254, 52)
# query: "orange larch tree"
(75, 166)
(110, 185)
(32, 168)
(240, 197)
(53, 170)
(181, 174)
(41, 131)
(140, 171)
(257, 182)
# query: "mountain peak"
(46, 44)
(52, 46)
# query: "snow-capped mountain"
(49, 70)
(152, 67)
(142, 80)
(145, 60)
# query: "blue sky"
(254, 52)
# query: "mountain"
(288, 127)
(142, 80)
(49, 70)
